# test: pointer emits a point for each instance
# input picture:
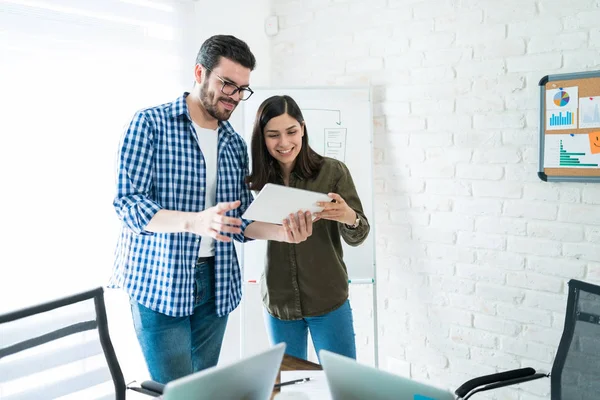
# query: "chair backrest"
(576, 366)
(60, 349)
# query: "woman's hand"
(298, 227)
(337, 210)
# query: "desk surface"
(291, 363)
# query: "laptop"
(251, 378)
(349, 380)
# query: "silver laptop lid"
(349, 380)
(251, 378)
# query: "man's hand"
(213, 222)
(298, 227)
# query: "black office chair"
(576, 368)
(60, 348)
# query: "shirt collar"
(296, 175)
(179, 107)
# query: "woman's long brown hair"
(265, 168)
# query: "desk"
(291, 363)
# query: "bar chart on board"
(570, 151)
(561, 108)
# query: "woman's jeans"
(178, 346)
(333, 331)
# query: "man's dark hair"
(226, 46)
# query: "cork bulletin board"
(570, 127)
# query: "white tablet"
(275, 203)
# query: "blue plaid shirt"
(161, 166)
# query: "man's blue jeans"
(333, 331)
(178, 346)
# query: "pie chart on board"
(561, 98)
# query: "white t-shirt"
(208, 141)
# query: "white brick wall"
(473, 251)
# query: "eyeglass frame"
(237, 88)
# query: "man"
(180, 196)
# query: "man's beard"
(211, 104)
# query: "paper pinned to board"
(316, 389)
(335, 143)
(589, 112)
(572, 150)
(561, 108)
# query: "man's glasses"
(230, 88)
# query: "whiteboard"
(339, 124)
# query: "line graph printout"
(589, 112)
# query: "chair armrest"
(506, 383)
(150, 388)
(468, 386)
(153, 386)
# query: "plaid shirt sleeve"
(245, 194)
(134, 176)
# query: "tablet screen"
(275, 203)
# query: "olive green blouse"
(310, 278)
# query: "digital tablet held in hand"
(275, 203)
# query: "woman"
(305, 285)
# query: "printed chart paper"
(335, 143)
(561, 108)
(589, 112)
(572, 151)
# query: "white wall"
(243, 19)
(66, 99)
(72, 75)
(473, 251)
